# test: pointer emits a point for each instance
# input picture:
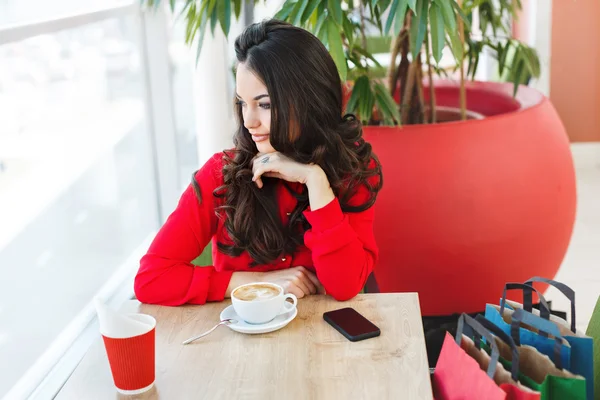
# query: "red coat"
(339, 247)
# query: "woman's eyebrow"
(260, 96)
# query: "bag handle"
(527, 300)
(564, 289)
(521, 316)
(478, 331)
(494, 329)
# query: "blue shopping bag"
(582, 346)
(502, 317)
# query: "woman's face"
(254, 99)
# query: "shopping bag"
(510, 384)
(459, 374)
(582, 346)
(501, 317)
(544, 375)
(593, 331)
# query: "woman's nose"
(250, 120)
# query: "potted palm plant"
(480, 186)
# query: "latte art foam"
(256, 292)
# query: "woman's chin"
(265, 147)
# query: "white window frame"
(44, 379)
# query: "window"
(80, 164)
(19, 12)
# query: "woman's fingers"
(307, 282)
(312, 276)
(273, 175)
(258, 173)
(295, 290)
(303, 285)
(265, 165)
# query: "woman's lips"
(260, 138)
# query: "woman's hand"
(276, 165)
(297, 280)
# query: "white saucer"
(243, 327)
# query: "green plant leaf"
(400, 14)
(382, 4)
(361, 100)
(502, 54)
(309, 10)
(448, 13)
(531, 60)
(456, 45)
(355, 60)
(349, 32)
(202, 29)
(367, 101)
(352, 105)
(383, 111)
(299, 11)
(335, 8)
(413, 5)
(391, 16)
(237, 5)
(320, 28)
(475, 65)
(336, 48)
(473, 53)
(517, 77)
(419, 28)
(191, 19)
(285, 10)
(378, 19)
(211, 5)
(172, 5)
(460, 12)
(224, 14)
(213, 21)
(386, 104)
(366, 54)
(437, 31)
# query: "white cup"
(265, 306)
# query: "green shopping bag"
(593, 331)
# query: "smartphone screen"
(351, 324)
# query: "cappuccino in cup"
(256, 292)
(261, 302)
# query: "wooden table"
(307, 359)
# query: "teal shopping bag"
(501, 316)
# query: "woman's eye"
(240, 103)
(265, 106)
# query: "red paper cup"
(132, 360)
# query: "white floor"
(581, 267)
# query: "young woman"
(292, 204)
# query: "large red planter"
(468, 206)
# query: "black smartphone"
(351, 324)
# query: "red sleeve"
(343, 247)
(166, 275)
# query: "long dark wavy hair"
(307, 126)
